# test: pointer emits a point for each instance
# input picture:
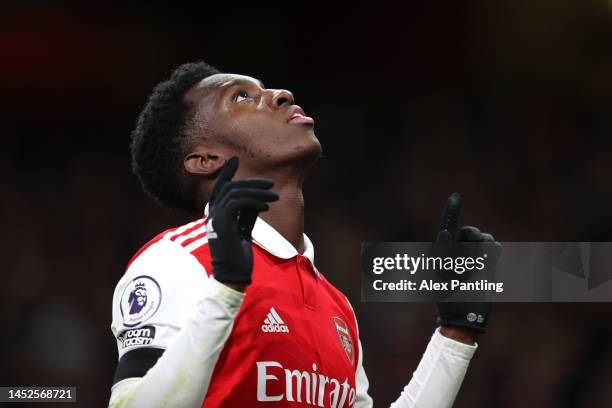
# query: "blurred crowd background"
(507, 102)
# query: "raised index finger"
(450, 218)
(227, 172)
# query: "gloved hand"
(233, 209)
(472, 315)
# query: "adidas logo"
(274, 323)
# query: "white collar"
(272, 241)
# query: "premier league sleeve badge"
(140, 300)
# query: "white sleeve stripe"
(192, 234)
(196, 244)
(180, 230)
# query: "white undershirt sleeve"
(437, 379)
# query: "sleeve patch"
(136, 337)
(140, 300)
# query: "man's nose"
(281, 97)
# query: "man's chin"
(309, 152)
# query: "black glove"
(233, 209)
(473, 315)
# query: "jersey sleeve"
(155, 297)
(177, 321)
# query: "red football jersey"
(290, 341)
(294, 341)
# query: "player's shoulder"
(166, 264)
(162, 281)
(178, 241)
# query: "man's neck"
(287, 214)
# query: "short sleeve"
(158, 293)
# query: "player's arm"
(175, 367)
(436, 381)
(177, 372)
(439, 375)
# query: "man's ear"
(203, 162)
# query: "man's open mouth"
(298, 116)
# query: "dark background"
(507, 102)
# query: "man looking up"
(234, 311)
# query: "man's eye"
(241, 96)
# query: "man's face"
(263, 126)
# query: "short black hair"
(160, 141)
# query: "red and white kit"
(291, 340)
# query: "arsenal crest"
(345, 338)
